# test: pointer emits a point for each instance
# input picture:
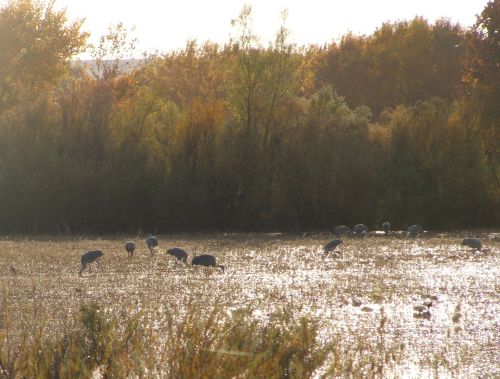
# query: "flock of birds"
(152, 244)
(412, 231)
(210, 261)
(421, 311)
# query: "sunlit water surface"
(370, 278)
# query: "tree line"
(400, 125)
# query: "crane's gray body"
(413, 230)
(89, 257)
(386, 227)
(178, 253)
(130, 246)
(473, 242)
(151, 243)
(330, 246)
(359, 229)
(206, 260)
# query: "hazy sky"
(166, 25)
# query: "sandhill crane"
(342, 229)
(330, 246)
(130, 246)
(206, 260)
(178, 253)
(89, 257)
(152, 244)
(413, 230)
(386, 227)
(359, 229)
(473, 242)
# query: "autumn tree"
(247, 136)
(484, 79)
(400, 63)
(36, 43)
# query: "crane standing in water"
(473, 243)
(178, 253)
(359, 229)
(152, 244)
(386, 227)
(413, 230)
(206, 260)
(330, 246)
(89, 257)
(130, 246)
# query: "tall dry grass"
(206, 342)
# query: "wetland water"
(372, 278)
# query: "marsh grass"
(198, 345)
(282, 309)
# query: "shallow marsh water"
(373, 278)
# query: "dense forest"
(400, 125)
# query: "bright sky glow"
(164, 25)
